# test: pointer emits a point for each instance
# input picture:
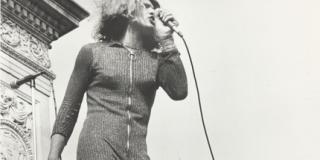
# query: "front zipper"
(131, 55)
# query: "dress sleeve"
(171, 75)
(77, 86)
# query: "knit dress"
(120, 84)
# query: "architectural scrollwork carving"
(15, 126)
(9, 33)
(14, 145)
(24, 43)
(15, 109)
(7, 100)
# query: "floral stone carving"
(15, 126)
(23, 42)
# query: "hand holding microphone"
(168, 20)
(165, 24)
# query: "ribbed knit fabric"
(119, 98)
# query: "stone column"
(27, 29)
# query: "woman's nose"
(151, 11)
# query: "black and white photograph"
(159, 80)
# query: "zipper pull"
(131, 54)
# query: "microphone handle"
(171, 25)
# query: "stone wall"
(27, 29)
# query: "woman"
(120, 75)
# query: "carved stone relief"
(23, 42)
(15, 126)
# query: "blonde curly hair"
(114, 16)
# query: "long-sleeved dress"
(120, 84)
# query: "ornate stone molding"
(48, 19)
(15, 109)
(23, 42)
(36, 24)
(27, 29)
(15, 126)
(14, 144)
(29, 14)
(26, 61)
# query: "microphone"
(17, 83)
(171, 25)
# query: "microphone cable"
(198, 93)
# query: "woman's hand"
(162, 31)
(54, 157)
(56, 147)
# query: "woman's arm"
(68, 112)
(171, 74)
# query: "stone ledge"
(26, 61)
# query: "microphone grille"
(14, 85)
